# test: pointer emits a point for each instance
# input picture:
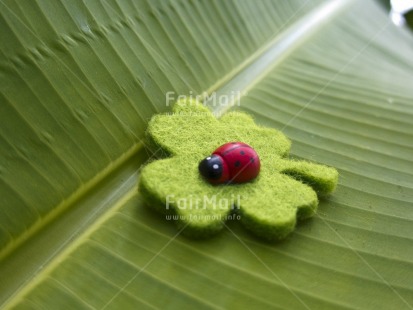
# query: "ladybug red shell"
(233, 162)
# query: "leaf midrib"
(259, 64)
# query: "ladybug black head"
(211, 167)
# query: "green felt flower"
(268, 206)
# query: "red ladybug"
(233, 162)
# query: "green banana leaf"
(79, 81)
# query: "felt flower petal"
(271, 209)
(321, 178)
(175, 133)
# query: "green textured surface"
(268, 206)
(79, 80)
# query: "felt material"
(268, 206)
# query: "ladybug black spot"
(242, 153)
(252, 159)
(237, 163)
